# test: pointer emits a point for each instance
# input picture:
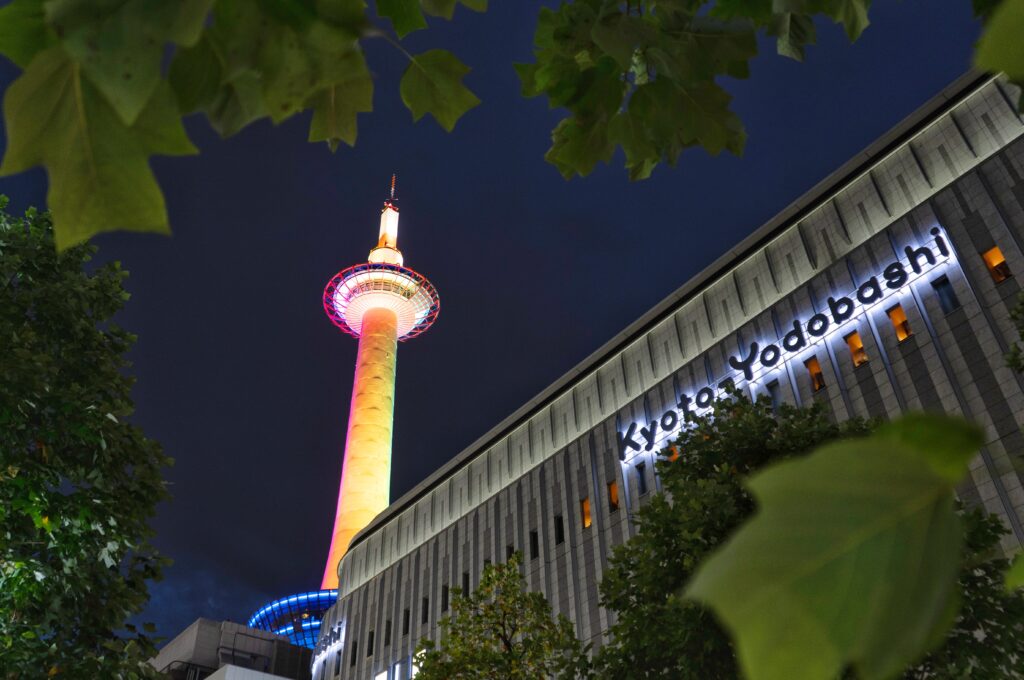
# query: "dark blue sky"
(245, 381)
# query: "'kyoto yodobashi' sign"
(756, 360)
(328, 642)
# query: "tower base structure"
(297, 617)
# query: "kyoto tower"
(380, 302)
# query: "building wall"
(963, 173)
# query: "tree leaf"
(851, 14)
(1015, 574)
(432, 84)
(853, 554)
(120, 45)
(195, 76)
(1001, 47)
(23, 31)
(446, 8)
(406, 15)
(335, 107)
(271, 65)
(946, 444)
(100, 178)
(576, 147)
(793, 32)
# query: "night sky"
(246, 383)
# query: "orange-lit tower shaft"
(380, 302)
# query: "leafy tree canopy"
(96, 97)
(78, 483)
(659, 634)
(501, 632)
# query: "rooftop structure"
(223, 649)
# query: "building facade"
(886, 288)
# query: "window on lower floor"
(585, 513)
(996, 264)
(775, 394)
(425, 610)
(465, 584)
(559, 530)
(856, 346)
(444, 598)
(947, 296)
(355, 653)
(369, 644)
(387, 633)
(817, 377)
(510, 550)
(534, 545)
(899, 322)
(405, 622)
(641, 478)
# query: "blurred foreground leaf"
(1002, 44)
(98, 166)
(851, 559)
(1015, 575)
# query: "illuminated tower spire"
(379, 302)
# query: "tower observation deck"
(380, 301)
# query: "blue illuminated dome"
(296, 616)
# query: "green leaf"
(99, 174)
(23, 31)
(406, 15)
(195, 76)
(238, 103)
(576, 147)
(851, 14)
(439, 8)
(446, 8)
(1015, 574)
(432, 84)
(793, 32)
(621, 36)
(853, 554)
(1001, 47)
(335, 108)
(629, 132)
(946, 444)
(269, 65)
(120, 45)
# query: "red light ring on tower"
(376, 284)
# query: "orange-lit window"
(856, 346)
(613, 496)
(817, 377)
(673, 453)
(585, 511)
(899, 322)
(996, 264)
